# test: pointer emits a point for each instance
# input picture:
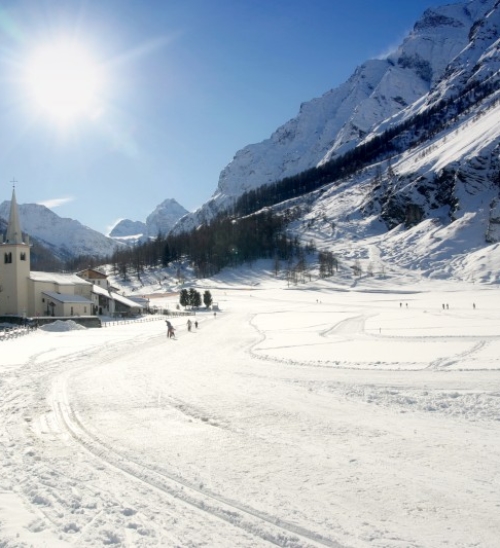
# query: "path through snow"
(287, 420)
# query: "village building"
(30, 294)
(54, 294)
(95, 277)
(109, 303)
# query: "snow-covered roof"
(115, 296)
(125, 301)
(67, 297)
(101, 291)
(139, 300)
(58, 278)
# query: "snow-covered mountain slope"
(65, 238)
(433, 209)
(161, 220)
(429, 198)
(336, 122)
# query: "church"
(30, 294)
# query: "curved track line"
(272, 530)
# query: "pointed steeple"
(14, 234)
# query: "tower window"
(23, 256)
(8, 258)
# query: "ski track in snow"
(471, 406)
(270, 528)
(243, 433)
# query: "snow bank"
(62, 325)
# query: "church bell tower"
(14, 266)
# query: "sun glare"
(63, 81)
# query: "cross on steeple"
(14, 182)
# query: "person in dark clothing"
(170, 330)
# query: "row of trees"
(226, 241)
(192, 298)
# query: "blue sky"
(183, 85)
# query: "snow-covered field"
(295, 417)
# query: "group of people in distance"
(171, 329)
(190, 324)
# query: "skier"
(189, 325)
(170, 330)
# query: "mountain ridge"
(341, 118)
(64, 237)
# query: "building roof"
(67, 298)
(93, 273)
(98, 290)
(58, 278)
(115, 296)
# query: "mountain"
(125, 229)
(342, 118)
(399, 166)
(65, 238)
(162, 219)
(58, 239)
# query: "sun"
(63, 81)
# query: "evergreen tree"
(194, 297)
(207, 299)
(184, 298)
(197, 299)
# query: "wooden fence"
(7, 333)
(152, 318)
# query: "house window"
(8, 258)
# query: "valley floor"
(345, 419)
